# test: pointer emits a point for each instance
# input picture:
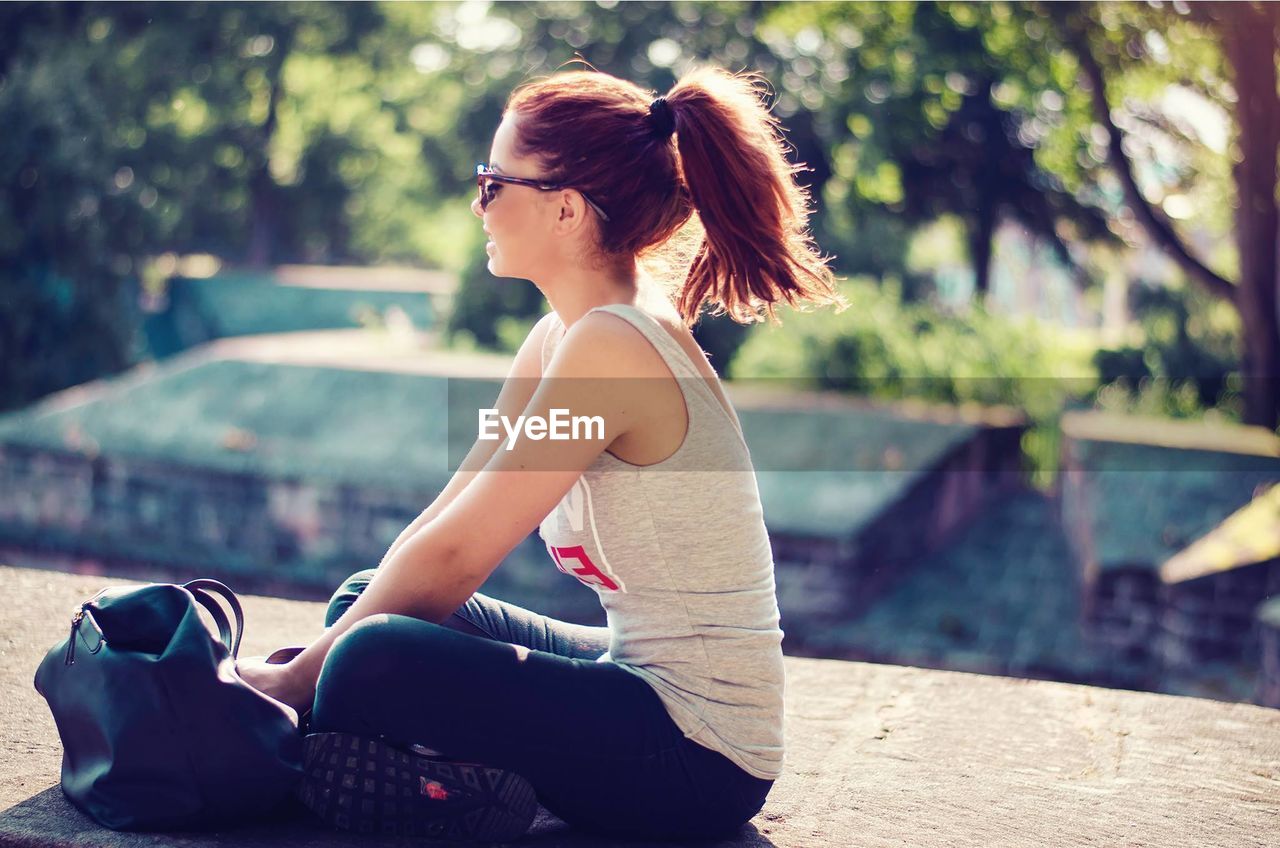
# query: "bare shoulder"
(605, 345)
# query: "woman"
(668, 722)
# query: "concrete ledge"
(877, 755)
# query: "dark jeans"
(500, 685)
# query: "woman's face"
(515, 220)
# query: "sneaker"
(365, 785)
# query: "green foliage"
(489, 312)
(349, 133)
(1186, 365)
(134, 129)
(885, 349)
(73, 217)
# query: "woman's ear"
(572, 211)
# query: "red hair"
(724, 172)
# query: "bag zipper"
(80, 615)
(70, 658)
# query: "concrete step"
(877, 755)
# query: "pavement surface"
(877, 755)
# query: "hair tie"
(662, 118)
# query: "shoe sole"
(364, 785)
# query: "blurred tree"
(138, 128)
(74, 215)
(1177, 351)
(1104, 40)
(882, 72)
(981, 164)
(349, 132)
(217, 124)
(928, 138)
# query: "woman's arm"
(480, 453)
(517, 389)
(421, 579)
(437, 568)
(293, 683)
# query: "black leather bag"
(158, 730)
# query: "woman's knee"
(364, 651)
(380, 649)
(358, 662)
(376, 663)
(346, 595)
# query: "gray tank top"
(679, 556)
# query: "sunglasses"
(489, 183)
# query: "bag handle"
(219, 617)
(204, 590)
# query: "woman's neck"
(574, 298)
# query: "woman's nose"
(475, 208)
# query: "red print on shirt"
(575, 510)
(585, 570)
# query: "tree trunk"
(1249, 37)
(262, 211)
(982, 231)
(1249, 40)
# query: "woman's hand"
(279, 681)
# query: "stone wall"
(826, 581)
(196, 519)
(877, 755)
(301, 537)
(192, 311)
(1212, 618)
(1121, 612)
(1143, 501)
(1268, 619)
(1133, 493)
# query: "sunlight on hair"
(668, 262)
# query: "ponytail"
(727, 163)
(756, 250)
